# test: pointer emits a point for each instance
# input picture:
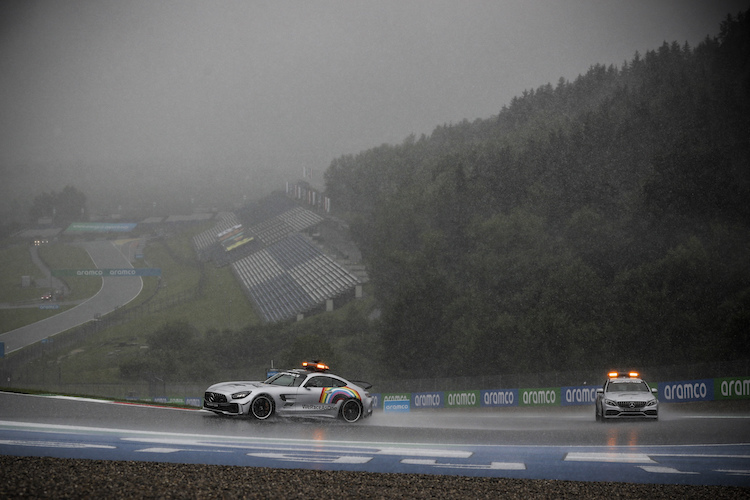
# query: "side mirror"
(655, 390)
(600, 391)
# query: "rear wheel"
(262, 407)
(351, 410)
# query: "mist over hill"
(136, 191)
(597, 222)
(183, 103)
(603, 220)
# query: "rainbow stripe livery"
(331, 395)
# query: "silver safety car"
(307, 392)
(625, 395)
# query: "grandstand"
(281, 271)
(291, 277)
(284, 224)
(205, 243)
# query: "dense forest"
(604, 220)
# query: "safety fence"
(677, 391)
(683, 391)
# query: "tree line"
(178, 351)
(62, 207)
(603, 220)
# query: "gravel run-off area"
(44, 477)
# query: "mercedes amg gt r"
(307, 392)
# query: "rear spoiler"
(364, 385)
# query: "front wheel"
(351, 410)
(262, 407)
(602, 418)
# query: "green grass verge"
(10, 319)
(62, 256)
(15, 261)
(222, 305)
(97, 360)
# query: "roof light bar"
(315, 366)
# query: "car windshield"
(285, 379)
(628, 387)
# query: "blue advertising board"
(578, 395)
(400, 403)
(396, 406)
(686, 390)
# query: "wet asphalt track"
(697, 444)
(115, 292)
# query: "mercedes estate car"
(625, 395)
(308, 392)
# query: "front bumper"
(626, 410)
(225, 408)
(218, 403)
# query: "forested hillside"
(602, 222)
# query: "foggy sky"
(183, 85)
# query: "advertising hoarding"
(578, 395)
(420, 400)
(397, 403)
(686, 390)
(549, 396)
(101, 227)
(732, 388)
(500, 397)
(462, 399)
(108, 273)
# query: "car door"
(308, 395)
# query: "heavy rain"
(478, 207)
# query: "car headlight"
(651, 403)
(609, 402)
(240, 395)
